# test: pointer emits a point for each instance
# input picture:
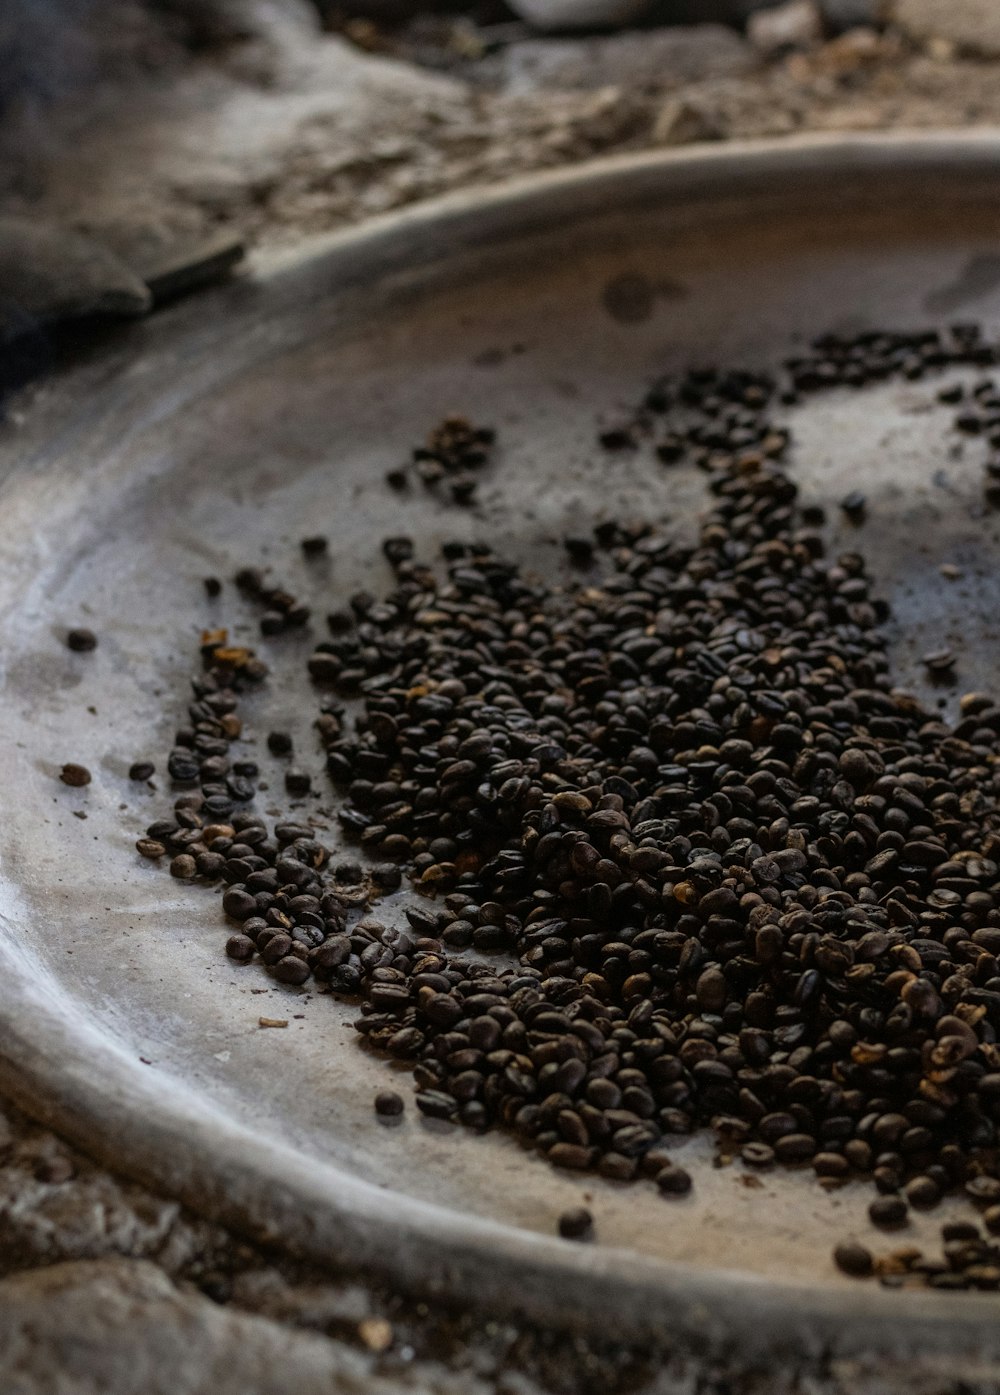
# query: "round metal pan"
(224, 430)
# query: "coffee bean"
(888, 1212)
(388, 1104)
(576, 1224)
(81, 641)
(922, 1192)
(141, 770)
(76, 775)
(290, 969)
(673, 1181)
(854, 1260)
(854, 505)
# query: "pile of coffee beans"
(686, 859)
(453, 455)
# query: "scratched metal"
(229, 427)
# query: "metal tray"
(223, 431)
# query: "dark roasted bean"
(888, 1212)
(576, 1224)
(673, 1181)
(75, 775)
(854, 1260)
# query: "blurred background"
(159, 138)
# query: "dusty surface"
(286, 132)
(273, 131)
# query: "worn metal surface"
(232, 426)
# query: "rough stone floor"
(155, 132)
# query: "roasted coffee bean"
(75, 775)
(576, 1224)
(388, 1104)
(81, 641)
(922, 1192)
(888, 1212)
(854, 505)
(854, 1260)
(141, 770)
(290, 969)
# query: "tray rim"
(173, 1143)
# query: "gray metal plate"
(223, 431)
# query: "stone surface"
(664, 58)
(171, 264)
(49, 273)
(798, 24)
(560, 15)
(841, 15)
(681, 123)
(973, 26)
(121, 1326)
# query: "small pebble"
(213, 586)
(55, 1170)
(279, 743)
(81, 641)
(298, 782)
(314, 547)
(376, 1334)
